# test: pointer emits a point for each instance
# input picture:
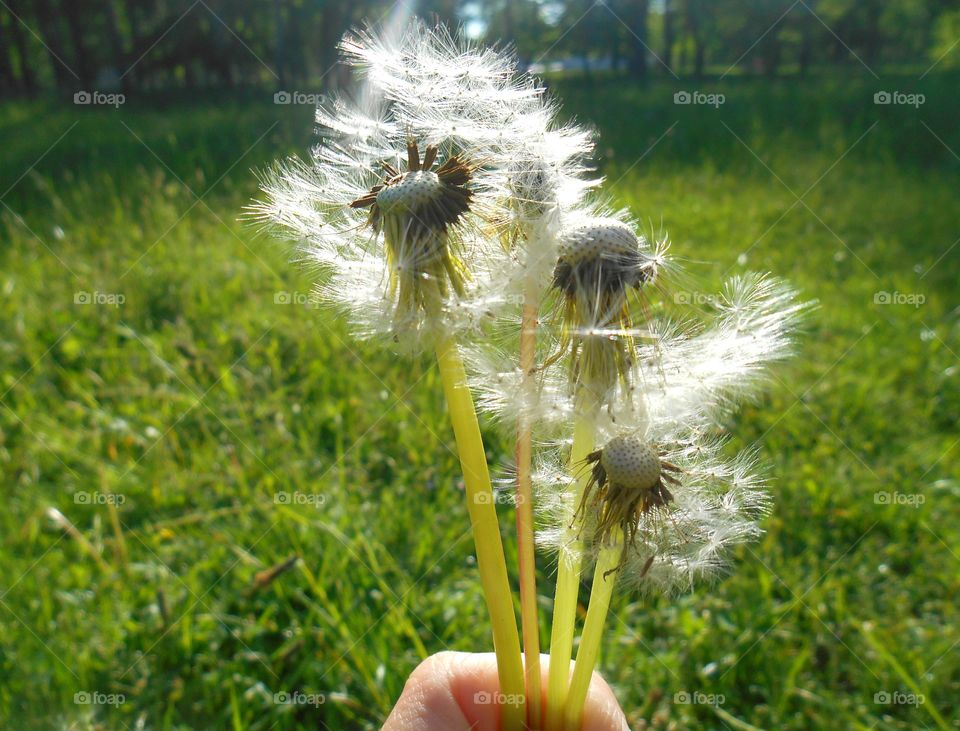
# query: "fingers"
(456, 691)
(440, 693)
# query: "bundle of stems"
(409, 241)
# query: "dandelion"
(446, 90)
(659, 517)
(402, 207)
(415, 211)
(601, 270)
(440, 192)
(602, 261)
(657, 505)
(543, 189)
(626, 486)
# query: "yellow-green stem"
(486, 533)
(526, 556)
(568, 571)
(604, 579)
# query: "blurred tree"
(7, 78)
(669, 37)
(694, 14)
(27, 79)
(945, 51)
(280, 41)
(635, 16)
(444, 12)
(588, 31)
(154, 43)
(74, 12)
(519, 22)
(48, 16)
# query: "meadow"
(177, 419)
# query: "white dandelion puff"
(673, 509)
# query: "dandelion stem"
(525, 545)
(604, 579)
(486, 532)
(568, 569)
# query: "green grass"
(202, 395)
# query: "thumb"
(457, 691)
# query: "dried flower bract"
(415, 210)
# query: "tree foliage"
(72, 44)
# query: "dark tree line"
(72, 44)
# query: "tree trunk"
(693, 11)
(668, 34)
(116, 39)
(28, 77)
(82, 60)
(638, 40)
(806, 48)
(49, 17)
(133, 20)
(699, 57)
(874, 39)
(330, 30)
(771, 53)
(280, 43)
(7, 79)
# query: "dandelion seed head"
(675, 534)
(630, 462)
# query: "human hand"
(451, 691)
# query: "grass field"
(162, 379)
